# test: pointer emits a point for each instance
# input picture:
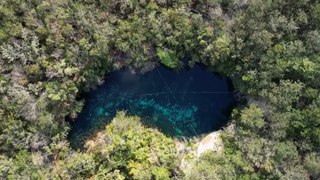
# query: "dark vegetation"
(50, 51)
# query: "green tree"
(139, 152)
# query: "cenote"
(184, 103)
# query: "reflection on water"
(178, 103)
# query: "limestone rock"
(211, 142)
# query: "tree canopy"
(52, 51)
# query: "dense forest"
(51, 51)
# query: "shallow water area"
(188, 102)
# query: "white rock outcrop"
(211, 142)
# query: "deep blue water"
(187, 102)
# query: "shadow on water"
(183, 103)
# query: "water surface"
(187, 102)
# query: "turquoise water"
(188, 102)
